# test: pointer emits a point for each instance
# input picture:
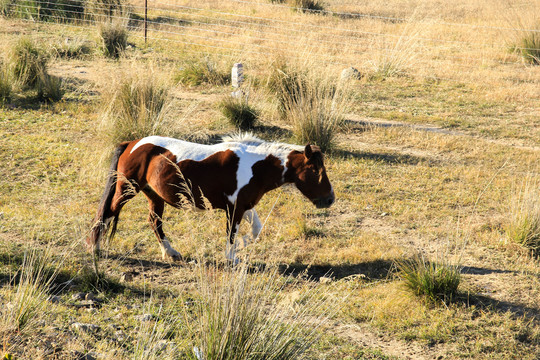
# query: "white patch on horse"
(251, 150)
(252, 218)
(167, 250)
(182, 150)
(230, 253)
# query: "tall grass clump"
(28, 299)
(437, 281)
(114, 36)
(6, 7)
(134, 107)
(242, 314)
(308, 5)
(6, 84)
(198, 71)
(104, 9)
(239, 112)
(525, 39)
(396, 57)
(523, 227)
(27, 62)
(314, 106)
(49, 88)
(528, 45)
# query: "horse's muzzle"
(325, 202)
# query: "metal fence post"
(145, 19)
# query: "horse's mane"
(244, 138)
(263, 146)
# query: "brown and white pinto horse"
(232, 175)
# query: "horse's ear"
(308, 152)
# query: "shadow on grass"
(373, 270)
(487, 303)
(404, 159)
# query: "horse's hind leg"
(156, 206)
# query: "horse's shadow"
(371, 270)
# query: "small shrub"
(195, 72)
(27, 62)
(437, 281)
(6, 85)
(308, 5)
(238, 112)
(529, 46)
(134, 108)
(114, 37)
(49, 88)
(524, 224)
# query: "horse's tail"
(104, 215)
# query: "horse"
(232, 175)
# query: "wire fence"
(237, 34)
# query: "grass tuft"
(49, 88)
(135, 108)
(314, 106)
(308, 5)
(524, 224)
(243, 314)
(437, 281)
(6, 84)
(198, 71)
(29, 297)
(27, 62)
(529, 46)
(114, 37)
(238, 112)
(72, 48)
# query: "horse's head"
(310, 176)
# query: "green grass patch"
(239, 112)
(437, 281)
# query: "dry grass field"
(437, 158)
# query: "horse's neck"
(294, 161)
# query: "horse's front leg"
(251, 217)
(233, 223)
(156, 206)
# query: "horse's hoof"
(175, 258)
